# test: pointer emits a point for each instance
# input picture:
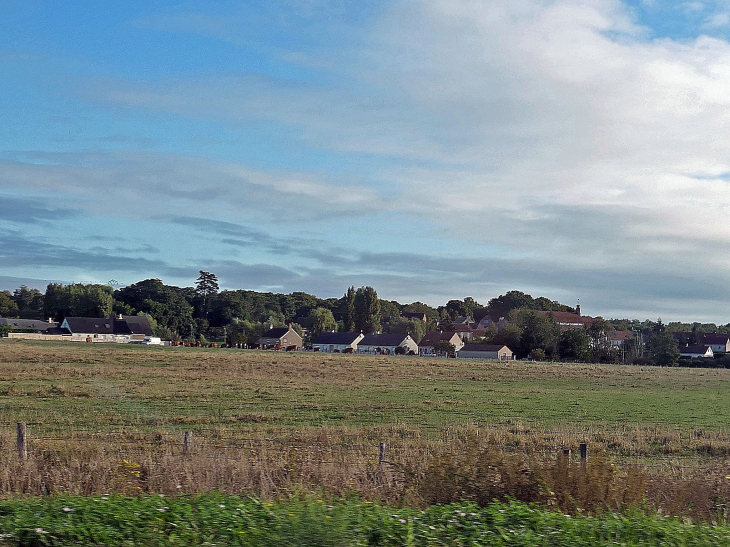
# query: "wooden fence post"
(381, 458)
(186, 442)
(22, 447)
(583, 453)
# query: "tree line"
(204, 312)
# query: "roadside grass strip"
(217, 519)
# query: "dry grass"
(105, 417)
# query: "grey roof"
(433, 337)
(275, 333)
(127, 324)
(336, 338)
(90, 325)
(36, 324)
(483, 347)
(382, 340)
(694, 349)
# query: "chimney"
(119, 316)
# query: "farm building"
(283, 337)
(430, 339)
(485, 351)
(387, 344)
(119, 328)
(337, 341)
(696, 351)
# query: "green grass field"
(267, 420)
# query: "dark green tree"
(206, 286)
(349, 315)
(29, 302)
(367, 310)
(575, 345)
(8, 307)
(662, 349)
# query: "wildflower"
(67, 510)
(37, 531)
(402, 521)
(328, 517)
(222, 505)
(291, 514)
(431, 527)
(161, 509)
(319, 501)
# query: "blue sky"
(431, 149)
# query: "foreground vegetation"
(215, 519)
(111, 418)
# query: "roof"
(125, 324)
(618, 335)
(484, 347)
(433, 337)
(712, 338)
(382, 340)
(694, 349)
(36, 324)
(133, 324)
(275, 333)
(91, 325)
(336, 338)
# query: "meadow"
(104, 418)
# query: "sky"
(578, 150)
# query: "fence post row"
(583, 452)
(22, 447)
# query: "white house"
(387, 344)
(428, 342)
(337, 342)
(696, 351)
(485, 351)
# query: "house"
(43, 327)
(119, 328)
(462, 320)
(337, 342)
(387, 344)
(429, 341)
(718, 342)
(467, 332)
(696, 351)
(282, 337)
(485, 351)
(568, 320)
(617, 337)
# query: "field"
(112, 417)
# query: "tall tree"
(349, 318)
(206, 286)
(367, 310)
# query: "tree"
(367, 310)
(8, 307)
(662, 348)
(444, 347)
(77, 300)
(349, 317)
(538, 332)
(206, 286)
(29, 302)
(322, 320)
(575, 345)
